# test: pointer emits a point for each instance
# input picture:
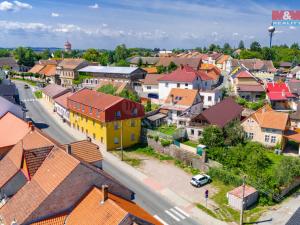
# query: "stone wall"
(188, 158)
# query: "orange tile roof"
(63, 99)
(36, 68)
(183, 97)
(48, 70)
(238, 192)
(222, 59)
(58, 220)
(150, 70)
(86, 151)
(268, 118)
(13, 129)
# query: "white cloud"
(55, 14)
(14, 6)
(278, 31)
(292, 28)
(235, 34)
(95, 6)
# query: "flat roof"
(108, 69)
(157, 116)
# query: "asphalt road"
(145, 197)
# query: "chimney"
(172, 99)
(104, 194)
(69, 149)
(31, 126)
(181, 66)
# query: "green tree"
(91, 55)
(295, 46)
(131, 95)
(121, 53)
(255, 46)
(245, 54)
(107, 89)
(122, 62)
(241, 45)
(212, 136)
(140, 62)
(227, 49)
(148, 106)
(172, 66)
(212, 47)
(25, 56)
(234, 133)
(4, 53)
(161, 69)
(46, 54)
(268, 53)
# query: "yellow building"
(112, 121)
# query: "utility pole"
(122, 157)
(243, 196)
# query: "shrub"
(225, 176)
(165, 143)
(156, 138)
(38, 94)
(150, 136)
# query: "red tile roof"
(244, 74)
(182, 74)
(152, 79)
(238, 192)
(250, 88)
(63, 99)
(278, 91)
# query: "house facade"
(112, 121)
(52, 91)
(210, 97)
(184, 77)
(150, 85)
(266, 126)
(61, 106)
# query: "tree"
(25, 56)
(46, 54)
(172, 66)
(295, 46)
(148, 106)
(234, 134)
(161, 69)
(212, 47)
(122, 62)
(268, 53)
(91, 55)
(4, 53)
(129, 95)
(241, 45)
(140, 62)
(245, 54)
(255, 46)
(295, 62)
(107, 89)
(121, 53)
(227, 49)
(212, 136)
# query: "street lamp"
(271, 30)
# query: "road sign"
(206, 194)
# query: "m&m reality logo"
(286, 17)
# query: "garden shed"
(235, 197)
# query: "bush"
(225, 176)
(150, 136)
(156, 138)
(38, 94)
(165, 143)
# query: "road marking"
(160, 220)
(177, 213)
(29, 100)
(173, 216)
(180, 210)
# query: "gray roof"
(7, 106)
(145, 60)
(54, 90)
(108, 69)
(8, 61)
(295, 70)
(294, 220)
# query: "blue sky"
(140, 23)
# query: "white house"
(184, 77)
(210, 97)
(150, 85)
(61, 106)
(181, 105)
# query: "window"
(267, 138)
(132, 137)
(91, 110)
(78, 106)
(82, 108)
(178, 113)
(186, 84)
(98, 113)
(273, 139)
(116, 140)
(101, 139)
(250, 136)
(149, 87)
(134, 111)
(118, 114)
(132, 123)
(192, 132)
(166, 84)
(209, 98)
(178, 85)
(116, 126)
(199, 133)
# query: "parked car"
(26, 86)
(200, 180)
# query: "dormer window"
(134, 111)
(118, 114)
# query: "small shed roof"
(238, 192)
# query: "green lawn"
(38, 94)
(30, 82)
(191, 143)
(166, 129)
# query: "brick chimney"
(104, 194)
(31, 126)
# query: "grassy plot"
(38, 94)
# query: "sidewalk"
(151, 180)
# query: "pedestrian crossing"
(29, 100)
(175, 214)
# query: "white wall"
(163, 90)
(210, 98)
(153, 89)
(62, 111)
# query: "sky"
(164, 24)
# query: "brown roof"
(86, 151)
(111, 212)
(49, 70)
(192, 62)
(54, 90)
(152, 79)
(222, 113)
(71, 63)
(182, 97)
(63, 99)
(238, 192)
(36, 68)
(268, 118)
(250, 88)
(58, 220)
(13, 129)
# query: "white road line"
(181, 211)
(170, 214)
(160, 220)
(177, 213)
